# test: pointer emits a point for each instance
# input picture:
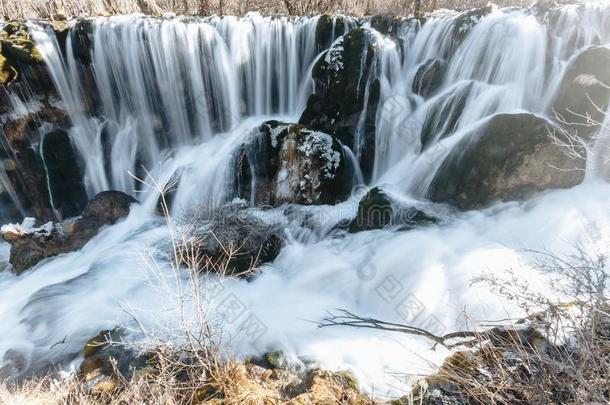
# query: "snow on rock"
(11, 232)
(334, 57)
(289, 163)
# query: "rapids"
(211, 81)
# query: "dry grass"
(74, 8)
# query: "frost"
(27, 227)
(321, 144)
(334, 56)
(275, 133)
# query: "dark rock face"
(387, 24)
(328, 29)
(29, 248)
(82, 40)
(64, 173)
(376, 210)
(509, 157)
(27, 172)
(429, 77)
(228, 240)
(463, 24)
(585, 84)
(288, 163)
(345, 88)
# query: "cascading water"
(179, 97)
(171, 82)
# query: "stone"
(289, 163)
(508, 157)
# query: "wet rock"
(28, 174)
(429, 77)
(228, 240)
(289, 163)
(31, 242)
(444, 113)
(508, 157)
(108, 207)
(107, 362)
(378, 210)
(386, 23)
(345, 87)
(585, 85)
(328, 29)
(464, 23)
(65, 174)
(278, 360)
(82, 40)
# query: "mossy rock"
(16, 49)
(104, 355)
(98, 342)
(508, 157)
(8, 73)
(348, 379)
(275, 360)
(17, 45)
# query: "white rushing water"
(179, 96)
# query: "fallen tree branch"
(346, 318)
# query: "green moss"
(8, 73)
(16, 48)
(348, 379)
(96, 343)
(274, 359)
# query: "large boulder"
(584, 91)
(345, 88)
(508, 157)
(377, 210)
(228, 240)
(31, 242)
(108, 207)
(288, 163)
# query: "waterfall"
(166, 83)
(173, 99)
